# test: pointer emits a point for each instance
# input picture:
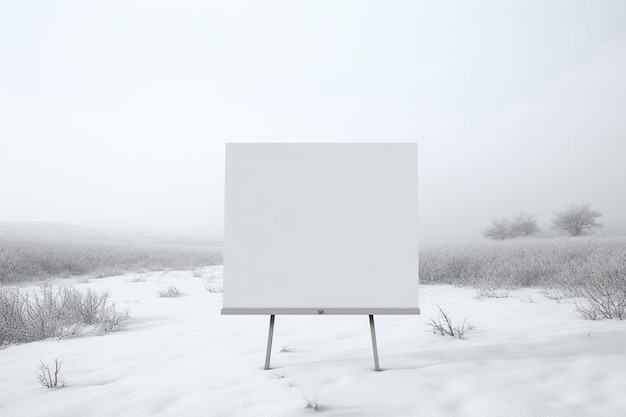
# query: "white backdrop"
(320, 226)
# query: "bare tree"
(577, 220)
(500, 229)
(524, 225)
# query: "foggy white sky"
(115, 113)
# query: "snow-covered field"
(525, 356)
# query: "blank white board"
(316, 228)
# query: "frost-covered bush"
(602, 283)
(557, 295)
(171, 292)
(26, 316)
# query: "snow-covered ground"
(525, 356)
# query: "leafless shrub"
(136, 278)
(110, 320)
(603, 286)
(444, 326)
(588, 312)
(12, 320)
(312, 401)
(280, 375)
(213, 288)
(54, 312)
(285, 347)
(557, 295)
(491, 293)
(197, 273)
(171, 292)
(50, 378)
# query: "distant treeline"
(27, 260)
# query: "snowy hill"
(64, 232)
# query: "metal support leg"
(373, 330)
(269, 343)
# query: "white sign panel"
(321, 229)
